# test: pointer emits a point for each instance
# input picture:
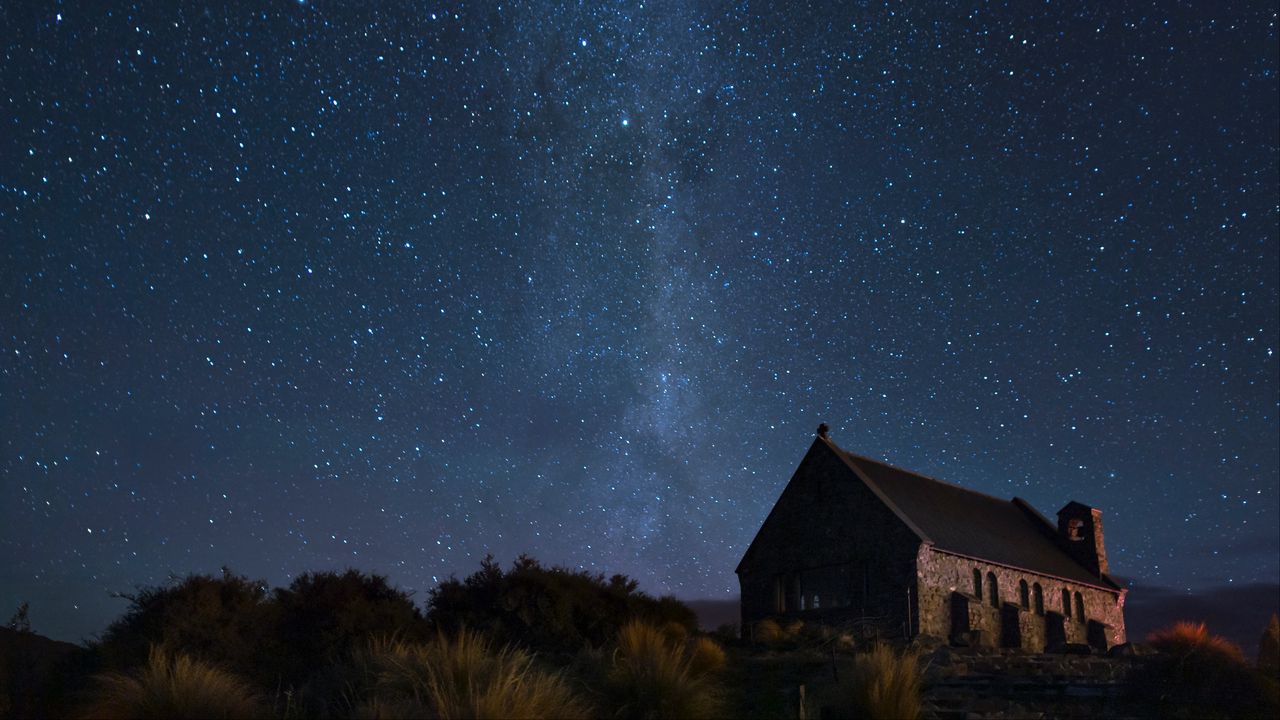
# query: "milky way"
(294, 286)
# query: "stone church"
(858, 543)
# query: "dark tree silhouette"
(548, 609)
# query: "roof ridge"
(920, 475)
(874, 487)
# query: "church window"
(1024, 594)
(1039, 595)
(1079, 607)
(1066, 602)
(993, 590)
(977, 583)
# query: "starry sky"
(290, 286)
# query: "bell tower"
(1080, 532)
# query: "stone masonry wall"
(941, 574)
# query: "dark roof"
(970, 523)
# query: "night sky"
(291, 286)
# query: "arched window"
(993, 590)
(977, 583)
(1039, 595)
(1024, 594)
(1066, 602)
(1079, 607)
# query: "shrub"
(223, 619)
(1197, 674)
(548, 609)
(727, 634)
(324, 618)
(653, 677)
(463, 677)
(175, 686)
(1269, 649)
(884, 684)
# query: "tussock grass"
(768, 632)
(654, 677)
(462, 677)
(706, 657)
(883, 685)
(1189, 640)
(172, 686)
(1197, 674)
(675, 632)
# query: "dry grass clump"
(706, 657)
(653, 677)
(1189, 640)
(1197, 674)
(768, 631)
(675, 632)
(775, 635)
(462, 677)
(173, 686)
(884, 685)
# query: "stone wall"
(985, 683)
(945, 580)
(814, 559)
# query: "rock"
(927, 643)
(1122, 650)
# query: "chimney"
(1080, 532)
(823, 429)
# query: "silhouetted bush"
(40, 677)
(173, 686)
(323, 618)
(225, 620)
(548, 609)
(1196, 674)
(727, 634)
(1269, 649)
(295, 641)
(21, 620)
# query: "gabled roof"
(965, 522)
